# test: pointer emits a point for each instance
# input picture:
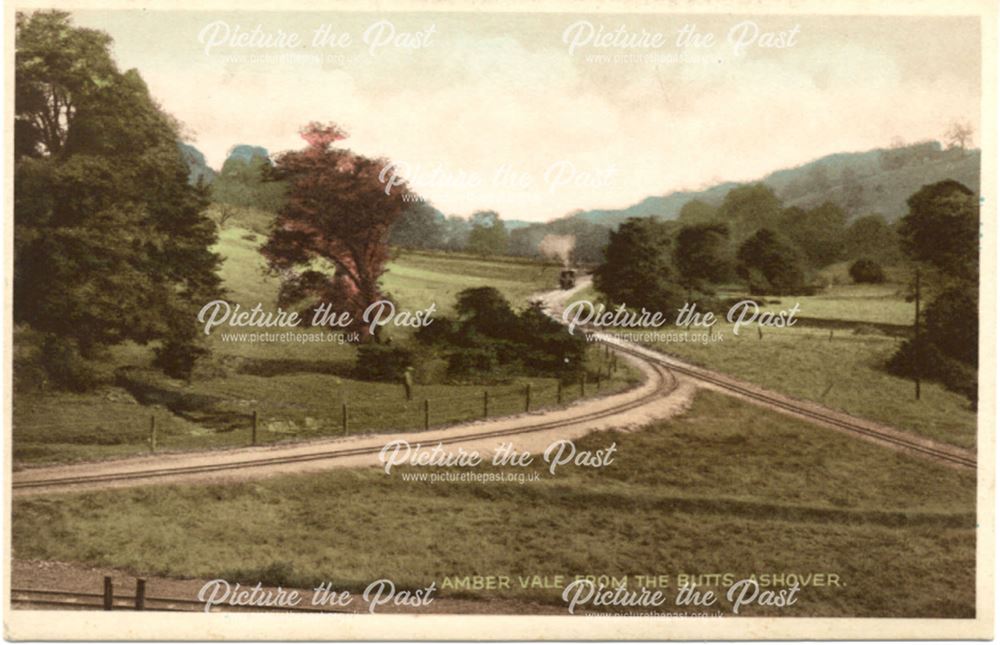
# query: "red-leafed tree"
(337, 211)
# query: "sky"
(538, 115)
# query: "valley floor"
(724, 489)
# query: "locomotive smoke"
(557, 246)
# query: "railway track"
(666, 382)
(802, 409)
(664, 370)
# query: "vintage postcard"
(500, 321)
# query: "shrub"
(932, 364)
(60, 358)
(472, 361)
(951, 323)
(489, 336)
(177, 358)
(867, 271)
(379, 362)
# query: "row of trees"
(651, 263)
(658, 265)
(424, 227)
(821, 235)
(749, 237)
(485, 233)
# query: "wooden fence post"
(152, 433)
(559, 392)
(140, 594)
(343, 417)
(108, 593)
(583, 384)
(598, 381)
(527, 397)
(427, 414)
(486, 404)
(253, 432)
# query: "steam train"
(567, 278)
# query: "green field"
(845, 371)
(726, 488)
(298, 389)
(864, 302)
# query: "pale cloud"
(491, 98)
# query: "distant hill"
(875, 181)
(197, 168)
(245, 152)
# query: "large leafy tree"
(421, 227)
(703, 256)
(871, 236)
(110, 240)
(770, 265)
(942, 229)
(940, 234)
(638, 269)
(818, 232)
(488, 234)
(697, 212)
(749, 208)
(338, 213)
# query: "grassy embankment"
(297, 388)
(726, 488)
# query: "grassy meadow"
(844, 371)
(725, 488)
(297, 388)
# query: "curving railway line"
(664, 384)
(805, 410)
(664, 370)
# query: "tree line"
(752, 241)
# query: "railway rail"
(666, 382)
(664, 369)
(805, 410)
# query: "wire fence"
(416, 408)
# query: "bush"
(472, 361)
(66, 368)
(177, 358)
(932, 364)
(908, 362)
(489, 337)
(377, 362)
(951, 323)
(867, 271)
